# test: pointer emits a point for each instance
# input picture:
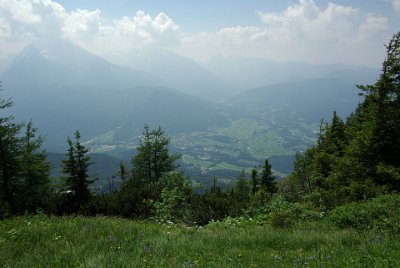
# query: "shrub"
(282, 218)
(381, 213)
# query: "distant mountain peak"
(60, 50)
(61, 62)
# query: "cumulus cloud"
(303, 31)
(26, 20)
(306, 21)
(395, 4)
(372, 26)
(127, 33)
(81, 23)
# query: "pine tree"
(153, 159)
(76, 168)
(267, 179)
(242, 187)
(382, 103)
(9, 152)
(34, 172)
(300, 172)
(254, 180)
(123, 175)
(360, 158)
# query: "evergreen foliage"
(153, 159)
(34, 172)
(267, 179)
(359, 158)
(9, 162)
(77, 180)
(254, 181)
(352, 160)
(242, 187)
(24, 170)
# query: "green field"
(250, 140)
(41, 241)
(220, 148)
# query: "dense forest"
(354, 159)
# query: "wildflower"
(147, 249)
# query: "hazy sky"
(334, 31)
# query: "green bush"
(381, 213)
(282, 218)
(279, 206)
(173, 205)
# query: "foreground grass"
(41, 241)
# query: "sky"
(337, 31)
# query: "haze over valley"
(224, 111)
(170, 133)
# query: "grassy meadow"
(42, 241)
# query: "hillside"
(174, 111)
(178, 72)
(246, 72)
(271, 122)
(97, 242)
(64, 88)
(306, 100)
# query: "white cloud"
(29, 19)
(127, 33)
(20, 11)
(26, 20)
(5, 30)
(81, 23)
(372, 27)
(395, 4)
(303, 31)
(306, 21)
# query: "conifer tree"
(75, 167)
(242, 187)
(34, 172)
(267, 179)
(383, 104)
(123, 175)
(153, 158)
(254, 180)
(360, 158)
(9, 152)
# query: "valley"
(218, 131)
(199, 134)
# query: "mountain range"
(213, 111)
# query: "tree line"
(352, 160)
(358, 158)
(153, 187)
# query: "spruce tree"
(77, 180)
(151, 163)
(242, 187)
(254, 180)
(267, 179)
(123, 175)
(153, 158)
(9, 153)
(383, 104)
(34, 172)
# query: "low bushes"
(381, 213)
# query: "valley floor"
(41, 241)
